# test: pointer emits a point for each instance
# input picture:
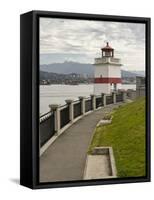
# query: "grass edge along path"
(126, 135)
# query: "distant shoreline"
(58, 93)
(81, 84)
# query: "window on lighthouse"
(108, 53)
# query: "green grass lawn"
(126, 135)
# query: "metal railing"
(109, 99)
(59, 117)
(107, 60)
(77, 109)
(99, 102)
(64, 116)
(88, 105)
(115, 60)
(47, 127)
(100, 60)
(119, 97)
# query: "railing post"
(82, 99)
(93, 98)
(124, 96)
(114, 96)
(104, 98)
(55, 109)
(71, 109)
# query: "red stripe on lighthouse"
(107, 80)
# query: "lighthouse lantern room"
(107, 72)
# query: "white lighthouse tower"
(107, 72)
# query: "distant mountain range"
(81, 68)
(132, 74)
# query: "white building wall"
(114, 71)
(101, 70)
(107, 71)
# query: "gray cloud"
(86, 37)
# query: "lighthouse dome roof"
(107, 47)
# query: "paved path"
(65, 159)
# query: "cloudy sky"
(80, 41)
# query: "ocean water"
(57, 94)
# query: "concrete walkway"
(98, 167)
(65, 159)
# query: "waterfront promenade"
(65, 159)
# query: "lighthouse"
(107, 77)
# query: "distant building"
(140, 86)
(107, 72)
(44, 82)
